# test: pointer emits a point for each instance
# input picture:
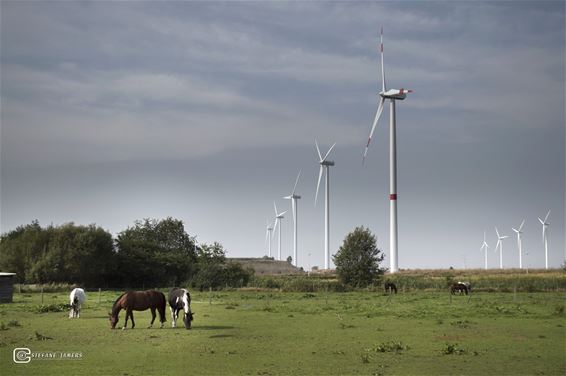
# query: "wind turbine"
(268, 235)
(500, 244)
(293, 197)
(520, 243)
(484, 247)
(545, 238)
(393, 95)
(324, 165)
(278, 218)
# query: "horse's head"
(188, 319)
(113, 319)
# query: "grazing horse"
(138, 301)
(460, 288)
(76, 299)
(180, 299)
(390, 287)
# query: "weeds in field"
(14, 323)
(41, 337)
(559, 310)
(453, 349)
(3, 326)
(391, 346)
(44, 308)
(365, 356)
(230, 307)
(208, 350)
(461, 324)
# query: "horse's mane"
(116, 301)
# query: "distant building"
(6, 287)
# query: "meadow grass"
(272, 332)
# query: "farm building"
(6, 287)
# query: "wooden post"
(210, 295)
(99, 295)
(42, 294)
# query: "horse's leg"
(79, 311)
(132, 317)
(126, 319)
(162, 316)
(172, 317)
(152, 317)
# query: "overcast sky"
(117, 111)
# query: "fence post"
(41, 293)
(99, 295)
(210, 295)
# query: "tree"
(357, 260)
(155, 253)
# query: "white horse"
(76, 298)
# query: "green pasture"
(272, 332)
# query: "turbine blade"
(275, 227)
(329, 150)
(375, 121)
(318, 151)
(517, 231)
(382, 66)
(296, 181)
(541, 221)
(547, 214)
(318, 184)
(521, 226)
(275, 207)
(497, 232)
(281, 214)
(266, 235)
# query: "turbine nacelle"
(397, 94)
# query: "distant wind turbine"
(278, 218)
(324, 167)
(484, 247)
(393, 95)
(520, 243)
(293, 197)
(268, 235)
(500, 244)
(545, 225)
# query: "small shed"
(6, 287)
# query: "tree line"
(149, 254)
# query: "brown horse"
(138, 301)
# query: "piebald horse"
(180, 299)
(138, 301)
(76, 299)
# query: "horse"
(138, 301)
(390, 287)
(460, 288)
(76, 298)
(180, 299)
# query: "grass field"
(271, 332)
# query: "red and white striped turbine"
(392, 95)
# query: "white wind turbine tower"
(268, 235)
(278, 218)
(293, 197)
(520, 243)
(324, 167)
(500, 244)
(545, 225)
(484, 247)
(393, 95)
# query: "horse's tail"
(161, 308)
